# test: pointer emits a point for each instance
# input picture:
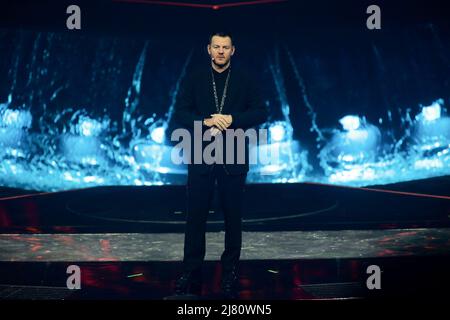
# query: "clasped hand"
(218, 122)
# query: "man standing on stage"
(221, 98)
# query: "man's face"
(220, 50)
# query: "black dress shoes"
(190, 283)
(230, 284)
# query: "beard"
(221, 65)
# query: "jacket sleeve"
(184, 113)
(256, 112)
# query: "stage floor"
(256, 245)
(301, 265)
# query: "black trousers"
(200, 192)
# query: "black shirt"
(195, 102)
(220, 79)
(195, 99)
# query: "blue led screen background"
(347, 105)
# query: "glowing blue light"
(16, 118)
(90, 179)
(355, 135)
(14, 125)
(355, 155)
(156, 158)
(84, 150)
(163, 170)
(347, 158)
(433, 112)
(272, 162)
(352, 174)
(344, 157)
(89, 127)
(431, 130)
(277, 132)
(271, 169)
(350, 122)
(158, 134)
(428, 164)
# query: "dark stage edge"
(267, 207)
(418, 278)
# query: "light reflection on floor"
(256, 245)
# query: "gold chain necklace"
(224, 95)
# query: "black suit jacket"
(195, 102)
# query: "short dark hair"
(220, 34)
